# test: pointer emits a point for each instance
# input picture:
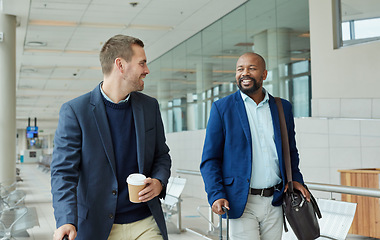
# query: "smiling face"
(136, 69)
(250, 73)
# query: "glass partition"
(190, 77)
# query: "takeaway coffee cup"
(135, 185)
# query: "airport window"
(360, 21)
(199, 71)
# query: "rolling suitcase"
(220, 224)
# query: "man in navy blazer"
(101, 138)
(242, 164)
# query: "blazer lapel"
(101, 120)
(138, 115)
(242, 113)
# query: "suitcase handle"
(220, 223)
(65, 237)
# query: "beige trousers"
(145, 229)
(260, 221)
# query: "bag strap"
(315, 205)
(286, 153)
(285, 143)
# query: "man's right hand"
(217, 206)
(67, 229)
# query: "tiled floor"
(36, 184)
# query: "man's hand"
(300, 188)
(67, 229)
(217, 206)
(153, 188)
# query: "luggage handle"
(220, 223)
(65, 237)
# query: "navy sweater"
(121, 123)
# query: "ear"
(265, 74)
(118, 64)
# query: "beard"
(256, 86)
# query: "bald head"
(254, 56)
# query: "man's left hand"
(153, 188)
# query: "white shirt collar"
(266, 97)
(109, 99)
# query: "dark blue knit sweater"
(120, 120)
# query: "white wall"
(344, 132)
(186, 151)
(327, 145)
(345, 81)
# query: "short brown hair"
(117, 46)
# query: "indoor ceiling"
(58, 41)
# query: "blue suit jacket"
(227, 154)
(83, 174)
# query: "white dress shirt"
(265, 164)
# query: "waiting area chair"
(45, 162)
(337, 217)
(172, 203)
(15, 217)
(11, 197)
(17, 220)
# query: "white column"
(204, 82)
(278, 53)
(260, 44)
(191, 124)
(163, 89)
(7, 99)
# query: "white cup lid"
(136, 179)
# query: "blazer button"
(114, 192)
(110, 216)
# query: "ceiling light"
(102, 25)
(52, 23)
(60, 51)
(35, 44)
(81, 52)
(226, 56)
(97, 25)
(304, 35)
(149, 27)
(43, 50)
(244, 44)
(298, 59)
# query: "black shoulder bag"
(300, 213)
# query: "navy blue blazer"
(227, 154)
(83, 174)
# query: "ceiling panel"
(72, 33)
(43, 34)
(54, 84)
(26, 83)
(57, 11)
